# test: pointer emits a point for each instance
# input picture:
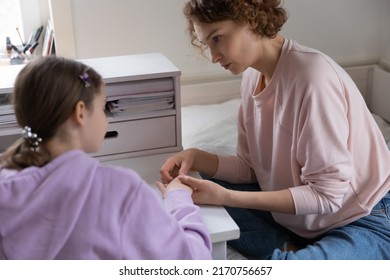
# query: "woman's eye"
(216, 39)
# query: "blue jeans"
(261, 237)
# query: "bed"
(212, 127)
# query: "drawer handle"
(111, 134)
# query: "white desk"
(220, 225)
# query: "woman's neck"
(271, 50)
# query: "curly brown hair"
(266, 17)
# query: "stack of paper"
(141, 103)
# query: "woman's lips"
(227, 66)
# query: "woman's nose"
(215, 55)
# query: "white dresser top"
(133, 67)
(127, 68)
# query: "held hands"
(176, 168)
(205, 191)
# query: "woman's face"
(233, 46)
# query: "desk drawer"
(139, 135)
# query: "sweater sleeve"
(180, 205)
(322, 146)
(172, 229)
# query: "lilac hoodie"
(77, 208)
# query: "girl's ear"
(79, 113)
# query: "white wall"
(385, 31)
(34, 13)
(347, 30)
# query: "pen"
(8, 44)
(27, 47)
(16, 49)
(21, 55)
(17, 29)
(33, 46)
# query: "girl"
(305, 138)
(57, 202)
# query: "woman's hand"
(205, 191)
(180, 163)
(187, 160)
(175, 184)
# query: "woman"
(305, 138)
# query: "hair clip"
(86, 79)
(32, 137)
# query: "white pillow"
(212, 127)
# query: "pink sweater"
(311, 132)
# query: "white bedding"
(213, 127)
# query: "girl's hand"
(205, 191)
(175, 184)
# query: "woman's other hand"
(205, 191)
